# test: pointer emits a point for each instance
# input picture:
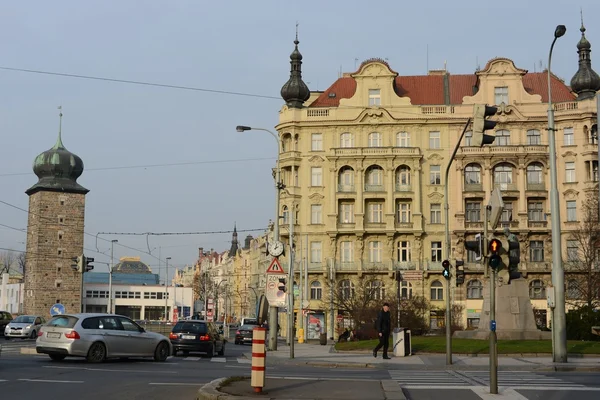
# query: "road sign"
(57, 309)
(275, 268)
(275, 296)
(339, 317)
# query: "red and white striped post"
(257, 377)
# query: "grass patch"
(233, 379)
(437, 344)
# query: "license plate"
(188, 337)
(247, 339)
(52, 335)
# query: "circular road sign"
(57, 309)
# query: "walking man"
(383, 325)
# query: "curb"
(28, 350)
(392, 390)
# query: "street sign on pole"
(275, 267)
(496, 207)
(273, 292)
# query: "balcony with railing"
(537, 224)
(433, 265)
(375, 151)
(507, 187)
(374, 188)
(516, 150)
(346, 225)
(405, 265)
(403, 224)
(376, 226)
(373, 266)
(403, 188)
(315, 267)
(474, 225)
(509, 224)
(346, 188)
(537, 186)
(347, 266)
(289, 155)
(473, 187)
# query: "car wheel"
(33, 335)
(96, 353)
(57, 357)
(222, 351)
(162, 352)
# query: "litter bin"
(323, 339)
(401, 342)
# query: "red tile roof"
(429, 89)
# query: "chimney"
(200, 252)
(247, 242)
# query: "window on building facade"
(403, 176)
(347, 252)
(347, 213)
(285, 215)
(573, 290)
(375, 176)
(403, 213)
(570, 172)
(374, 97)
(406, 290)
(536, 251)
(435, 215)
(468, 138)
(346, 179)
(437, 290)
(535, 211)
(473, 211)
(404, 253)
(346, 289)
(537, 289)
(503, 174)
(571, 210)
(569, 137)
(316, 142)
(375, 211)
(474, 289)
(435, 174)
(403, 139)
(316, 176)
(572, 250)
(534, 137)
(472, 174)
(507, 212)
(376, 289)
(375, 248)
(346, 140)
(316, 214)
(375, 139)
(435, 140)
(436, 251)
(534, 173)
(316, 290)
(502, 138)
(501, 95)
(315, 252)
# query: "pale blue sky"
(240, 46)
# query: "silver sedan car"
(24, 326)
(98, 337)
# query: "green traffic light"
(495, 261)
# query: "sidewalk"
(317, 355)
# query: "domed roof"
(131, 265)
(586, 81)
(294, 91)
(58, 170)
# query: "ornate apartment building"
(364, 167)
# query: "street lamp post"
(167, 289)
(273, 322)
(559, 333)
(109, 309)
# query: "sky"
(223, 177)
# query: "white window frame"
(571, 210)
(435, 141)
(436, 251)
(502, 138)
(375, 213)
(375, 139)
(570, 172)
(346, 251)
(403, 139)
(316, 252)
(346, 140)
(316, 214)
(534, 137)
(403, 212)
(316, 142)
(501, 95)
(403, 175)
(347, 213)
(568, 137)
(435, 214)
(435, 174)
(316, 290)
(404, 251)
(374, 97)
(375, 176)
(316, 176)
(375, 250)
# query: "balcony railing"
(537, 224)
(346, 266)
(536, 186)
(513, 149)
(374, 188)
(374, 266)
(434, 265)
(375, 151)
(566, 106)
(473, 187)
(346, 188)
(474, 225)
(505, 187)
(403, 188)
(317, 112)
(314, 267)
(405, 265)
(403, 225)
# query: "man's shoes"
(386, 357)
(375, 353)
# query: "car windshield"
(25, 319)
(64, 321)
(190, 326)
(248, 327)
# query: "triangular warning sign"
(275, 267)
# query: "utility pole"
(109, 309)
(291, 285)
(167, 290)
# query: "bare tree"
(582, 264)
(7, 259)
(21, 262)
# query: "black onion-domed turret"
(294, 91)
(57, 170)
(586, 81)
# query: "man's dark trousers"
(384, 341)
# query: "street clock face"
(276, 248)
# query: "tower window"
(60, 252)
(62, 202)
(61, 220)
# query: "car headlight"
(28, 327)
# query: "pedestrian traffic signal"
(446, 272)
(476, 246)
(88, 263)
(460, 272)
(282, 285)
(481, 124)
(494, 250)
(514, 257)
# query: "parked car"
(244, 334)
(24, 326)
(5, 318)
(98, 337)
(197, 336)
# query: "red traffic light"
(446, 264)
(495, 246)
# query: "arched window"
(474, 289)
(374, 176)
(537, 289)
(437, 290)
(376, 290)
(473, 174)
(375, 139)
(534, 173)
(403, 139)
(403, 177)
(286, 215)
(346, 179)
(406, 290)
(502, 138)
(316, 291)
(534, 137)
(346, 140)
(503, 176)
(346, 289)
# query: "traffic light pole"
(448, 248)
(493, 336)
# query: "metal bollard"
(259, 354)
(300, 335)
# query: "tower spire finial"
(59, 144)
(582, 29)
(296, 41)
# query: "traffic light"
(282, 286)
(481, 124)
(460, 272)
(494, 251)
(88, 263)
(397, 276)
(446, 265)
(514, 257)
(78, 263)
(476, 246)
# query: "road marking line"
(244, 361)
(49, 381)
(110, 370)
(3, 380)
(175, 384)
(237, 366)
(192, 358)
(218, 359)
